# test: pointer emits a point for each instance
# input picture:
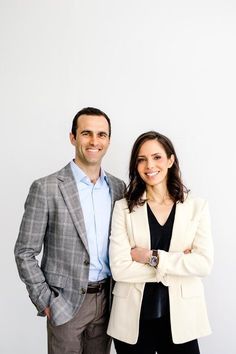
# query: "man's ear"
(72, 139)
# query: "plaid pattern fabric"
(53, 220)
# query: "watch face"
(153, 261)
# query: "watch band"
(155, 253)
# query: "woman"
(160, 248)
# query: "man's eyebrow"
(91, 131)
(103, 132)
(86, 131)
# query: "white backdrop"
(165, 65)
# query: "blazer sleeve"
(123, 268)
(199, 261)
(29, 244)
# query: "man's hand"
(47, 312)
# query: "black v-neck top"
(155, 302)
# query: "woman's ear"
(171, 160)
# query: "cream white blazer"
(181, 272)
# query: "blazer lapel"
(68, 188)
(115, 190)
(112, 191)
(140, 227)
(180, 226)
(141, 231)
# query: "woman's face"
(153, 163)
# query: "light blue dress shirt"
(95, 201)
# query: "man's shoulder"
(114, 179)
(52, 178)
(116, 185)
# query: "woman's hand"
(141, 255)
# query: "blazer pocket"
(56, 280)
(192, 288)
(121, 289)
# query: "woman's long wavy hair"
(137, 186)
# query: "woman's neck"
(158, 195)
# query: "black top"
(155, 298)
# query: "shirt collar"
(80, 176)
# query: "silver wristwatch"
(154, 259)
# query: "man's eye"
(85, 133)
(103, 135)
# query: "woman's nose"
(150, 163)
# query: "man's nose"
(93, 139)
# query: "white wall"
(164, 65)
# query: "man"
(68, 214)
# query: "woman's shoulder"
(191, 199)
(121, 208)
(121, 203)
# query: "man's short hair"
(89, 111)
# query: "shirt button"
(83, 291)
(86, 262)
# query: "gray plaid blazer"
(53, 220)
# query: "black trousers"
(155, 337)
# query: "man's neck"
(93, 172)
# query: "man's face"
(92, 140)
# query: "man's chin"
(93, 162)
